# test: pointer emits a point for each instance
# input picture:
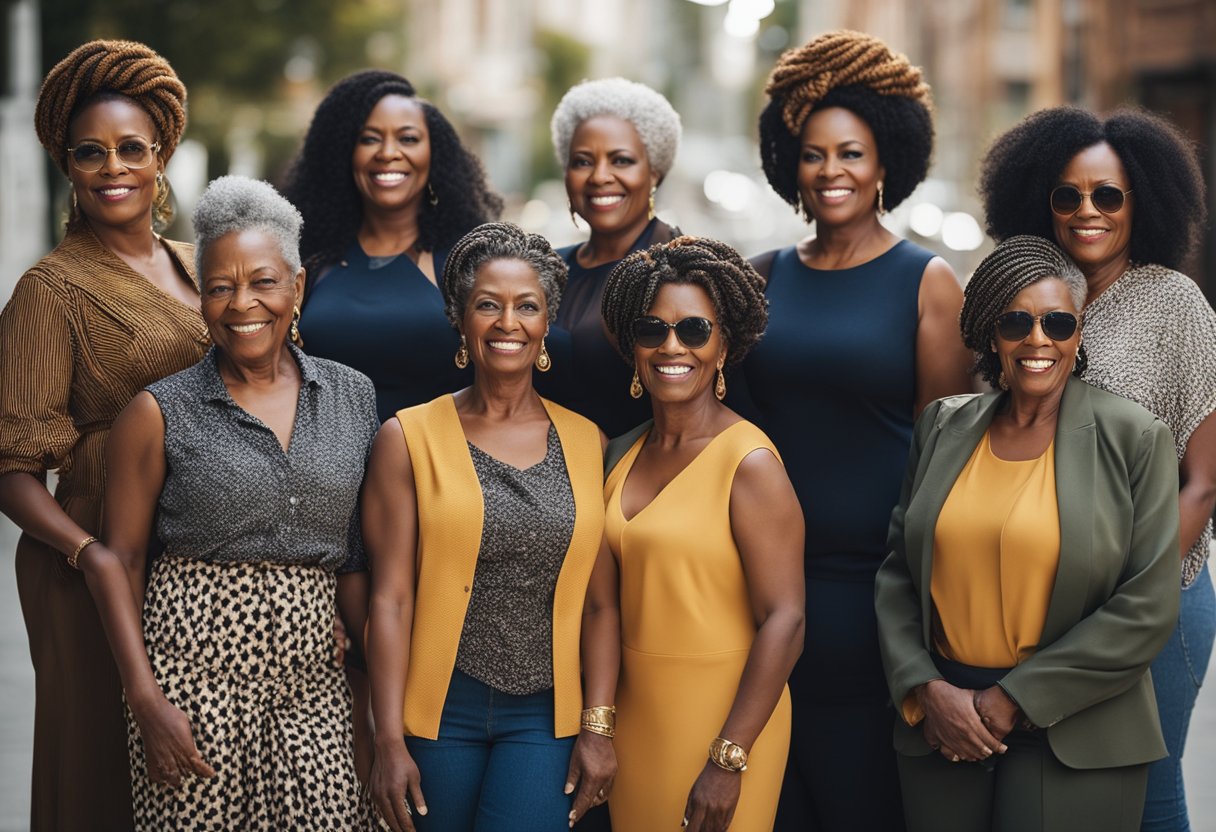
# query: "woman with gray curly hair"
(246, 468)
(478, 628)
(616, 140)
(1033, 575)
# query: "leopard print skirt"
(247, 652)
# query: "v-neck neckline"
(179, 267)
(637, 450)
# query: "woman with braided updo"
(110, 310)
(616, 141)
(1124, 197)
(1032, 577)
(861, 338)
(483, 515)
(707, 537)
(386, 189)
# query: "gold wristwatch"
(727, 755)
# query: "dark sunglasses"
(1108, 199)
(1015, 326)
(650, 332)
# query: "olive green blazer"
(1115, 599)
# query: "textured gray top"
(231, 493)
(507, 639)
(1151, 338)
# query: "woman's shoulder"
(1113, 412)
(194, 383)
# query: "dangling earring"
(431, 196)
(294, 332)
(650, 211)
(881, 210)
(720, 387)
(543, 362)
(635, 386)
(462, 354)
(1002, 381)
(1081, 362)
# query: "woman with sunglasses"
(1124, 197)
(861, 337)
(113, 308)
(1032, 575)
(707, 537)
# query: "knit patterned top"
(1151, 338)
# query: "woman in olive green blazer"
(1083, 696)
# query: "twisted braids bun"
(499, 241)
(121, 67)
(1013, 265)
(735, 289)
(804, 75)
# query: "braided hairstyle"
(1013, 265)
(1023, 165)
(499, 241)
(321, 185)
(861, 74)
(104, 70)
(735, 289)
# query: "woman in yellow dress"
(707, 535)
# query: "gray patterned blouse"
(507, 640)
(1151, 338)
(231, 493)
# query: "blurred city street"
(17, 716)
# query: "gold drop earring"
(720, 386)
(462, 354)
(635, 386)
(294, 332)
(650, 211)
(543, 362)
(881, 209)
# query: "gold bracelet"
(727, 755)
(75, 556)
(600, 720)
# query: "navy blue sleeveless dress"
(382, 316)
(833, 384)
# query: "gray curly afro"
(657, 122)
(237, 203)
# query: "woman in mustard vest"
(483, 516)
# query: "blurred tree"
(564, 62)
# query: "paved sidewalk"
(17, 716)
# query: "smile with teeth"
(1037, 365)
(389, 177)
(506, 346)
(1089, 232)
(120, 190)
(673, 369)
(248, 329)
(606, 201)
(835, 193)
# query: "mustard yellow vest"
(450, 517)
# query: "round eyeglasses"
(133, 154)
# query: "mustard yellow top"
(995, 554)
(450, 517)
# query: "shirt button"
(295, 501)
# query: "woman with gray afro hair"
(236, 203)
(616, 141)
(1012, 266)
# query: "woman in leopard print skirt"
(249, 464)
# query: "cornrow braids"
(499, 241)
(735, 289)
(118, 67)
(1013, 265)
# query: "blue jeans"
(496, 766)
(1177, 674)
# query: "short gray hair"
(499, 241)
(237, 203)
(657, 122)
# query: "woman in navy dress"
(862, 334)
(616, 140)
(386, 188)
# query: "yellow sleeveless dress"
(686, 630)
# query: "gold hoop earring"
(543, 362)
(881, 209)
(650, 211)
(720, 387)
(294, 332)
(635, 386)
(462, 354)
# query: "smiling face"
(1091, 238)
(115, 195)
(505, 318)
(838, 169)
(249, 294)
(608, 176)
(1036, 366)
(391, 162)
(672, 371)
